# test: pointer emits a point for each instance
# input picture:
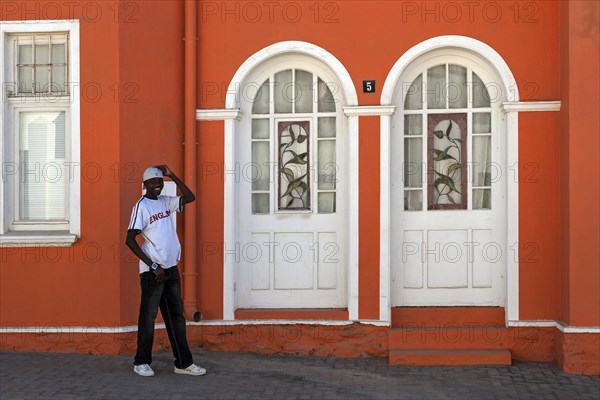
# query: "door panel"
(293, 262)
(447, 265)
(435, 265)
(293, 212)
(448, 225)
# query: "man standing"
(159, 277)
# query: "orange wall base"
(82, 343)
(356, 340)
(576, 353)
(579, 353)
(524, 343)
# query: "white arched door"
(448, 188)
(292, 195)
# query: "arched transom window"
(447, 141)
(294, 128)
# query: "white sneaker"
(191, 370)
(143, 370)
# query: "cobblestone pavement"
(251, 376)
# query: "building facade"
(410, 180)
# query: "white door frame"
(231, 190)
(510, 94)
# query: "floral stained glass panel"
(293, 171)
(447, 175)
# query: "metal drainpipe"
(190, 144)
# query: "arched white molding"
(495, 64)
(349, 91)
(482, 50)
(231, 128)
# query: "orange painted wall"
(368, 218)
(140, 49)
(539, 216)
(564, 160)
(580, 68)
(77, 285)
(210, 219)
(368, 39)
(131, 117)
(151, 123)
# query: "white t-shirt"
(153, 218)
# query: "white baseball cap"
(152, 172)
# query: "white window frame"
(38, 233)
(473, 67)
(313, 117)
(34, 38)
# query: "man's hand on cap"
(165, 170)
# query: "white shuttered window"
(39, 190)
(43, 190)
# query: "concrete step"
(450, 357)
(447, 316)
(449, 337)
(292, 314)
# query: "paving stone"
(56, 376)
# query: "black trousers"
(167, 296)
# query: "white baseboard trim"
(133, 328)
(561, 326)
(73, 329)
(289, 322)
